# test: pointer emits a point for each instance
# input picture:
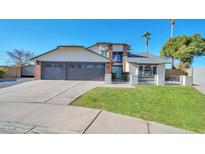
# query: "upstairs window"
(117, 57)
(104, 53)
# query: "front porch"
(157, 80)
(146, 80)
(138, 73)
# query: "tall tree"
(184, 48)
(172, 22)
(169, 49)
(146, 35)
(20, 57)
(192, 46)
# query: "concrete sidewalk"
(201, 89)
(23, 118)
(112, 123)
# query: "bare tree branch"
(20, 57)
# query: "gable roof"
(108, 43)
(146, 58)
(69, 46)
(111, 43)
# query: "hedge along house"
(72, 63)
(101, 61)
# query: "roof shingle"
(146, 58)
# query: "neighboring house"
(97, 62)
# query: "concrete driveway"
(42, 107)
(46, 91)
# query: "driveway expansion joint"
(148, 129)
(61, 92)
(30, 130)
(92, 122)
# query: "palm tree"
(172, 33)
(146, 35)
(172, 26)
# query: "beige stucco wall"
(94, 48)
(72, 54)
(103, 47)
(97, 48)
(161, 69)
(117, 47)
(133, 68)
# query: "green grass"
(182, 107)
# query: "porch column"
(133, 74)
(133, 79)
(143, 66)
(160, 80)
(186, 80)
(108, 73)
(160, 77)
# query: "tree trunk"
(172, 27)
(182, 64)
(172, 61)
(172, 30)
(146, 45)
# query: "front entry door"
(118, 71)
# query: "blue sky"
(40, 36)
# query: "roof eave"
(35, 58)
(138, 62)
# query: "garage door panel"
(95, 74)
(53, 71)
(75, 74)
(85, 72)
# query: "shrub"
(3, 70)
(125, 76)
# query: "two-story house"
(117, 52)
(98, 62)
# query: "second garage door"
(85, 71)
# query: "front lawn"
(182, 107)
